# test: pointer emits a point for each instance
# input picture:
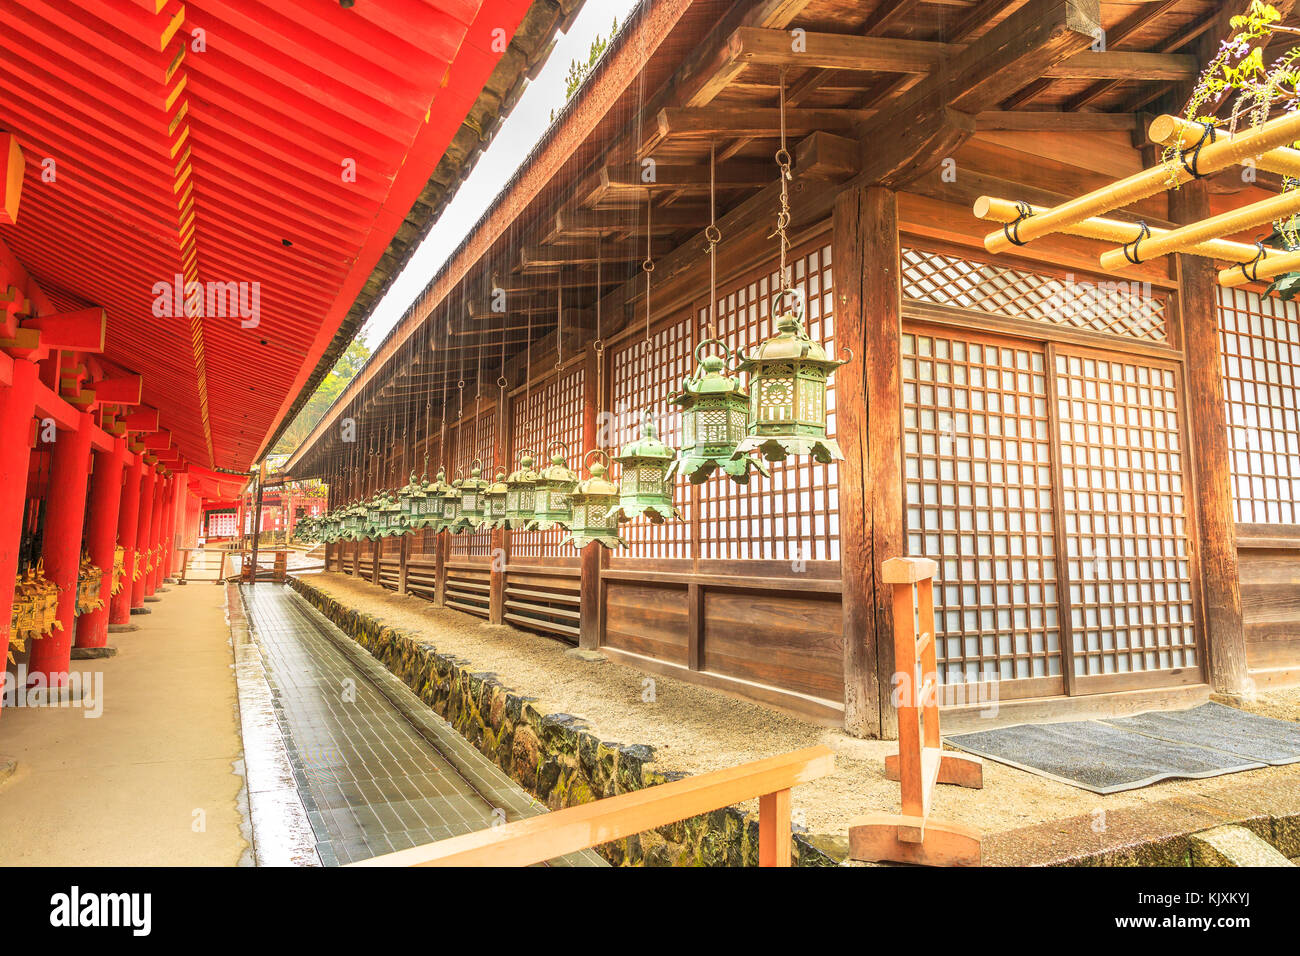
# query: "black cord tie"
(1261, 255)
(1208, 132)
(1012, 229)
(1131, 248)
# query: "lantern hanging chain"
(599, 345)
(559, 327)
(648, 266)
(714, 236)
(478, 373)
(460, 379)
(783, 163)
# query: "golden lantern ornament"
(789, 376)
(645, 487)
(596, 507)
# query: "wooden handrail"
(551, 835)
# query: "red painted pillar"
(17, 407)
(176, 522)
(101, 536)
(128, 520)
(156, 533)
(147, 480)
(65, 510)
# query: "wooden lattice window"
(794, 515)
(475, 438)
(978, 490)
(1125, 514)
(548, 412)
(1261, 382)
(1094, 305)
(642, 377)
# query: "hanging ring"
(726, 352)
(648, 265)
(586, 459)
(559, 444)
(460, 384)
(713, 234)
(501, 381)
(783, 158)
(789, 292)
(598, 346)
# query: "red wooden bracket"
(80, 331)
(142, 420)
(120, 391)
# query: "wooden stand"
(921, 762)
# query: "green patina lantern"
(390, 515)
(715, 419)
(495, 495)
(473, 500)
(787, 390)
(596, 507)
(374, 518)
(451, 508)
(412, 498)
(354, 521)
(434, 497)
(521, 494)
(644, 484)
(553, 491)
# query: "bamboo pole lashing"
(1211, 158)
(1272, 264)
(1283, 160)
(1111, 230)
(1180, 239)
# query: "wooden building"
(1105, 466)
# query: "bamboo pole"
(1149, 182)
(1186, 134)
(1181, 239)
(1112, 230)
(1276, 264)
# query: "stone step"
(1233, 846)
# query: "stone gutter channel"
(555, 757)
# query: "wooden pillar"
(403, 553)
(440, 551)
(128, 521)
(105, 503)
(1206, 417)
(17, 407)
(594, 557)
(154, 538)
(61, 546)
(868, 320)
(500, 536)
(147, 479)
(376, 557)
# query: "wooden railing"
(551, 835)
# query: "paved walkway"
(146, 771)
(374, 768)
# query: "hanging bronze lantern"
(596, 507)
(495, 495)
(354, 521)
(374, 518)
(390, 510)
(451, 508)
(434, 496)
(521, 492)
(553, 490)
(473, 503)
(715, 419)
(412, 500)
(787, 389)
(644, 485)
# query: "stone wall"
(556, 757)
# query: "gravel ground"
(694, 729)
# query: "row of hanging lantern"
(727, 427)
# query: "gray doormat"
(1130, 752)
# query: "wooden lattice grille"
(1261, 377)
(642, 377)
(978, 490)
(1125, 513)
(549, 412)
(794, 515)
(475, 439)
(1118, 308)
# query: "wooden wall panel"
(784, 640)
(647, 619)
(1270, 603)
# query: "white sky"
(514, 139)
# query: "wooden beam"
(632, 182)
(12, 167)
(931, 121)
(1054, 122)
(82, 331)
(592, 224)
(1124, 65)
(836, 51)
(710, 122)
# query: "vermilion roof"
(210, 139)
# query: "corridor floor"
(375, 770)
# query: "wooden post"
(376, 557)
(774, 829)
(403, 554)
(441, 550)
(1198, 300)
(594, 557)
(500, 557)
(869, 306)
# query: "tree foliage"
(349, 363)
(578, 70)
